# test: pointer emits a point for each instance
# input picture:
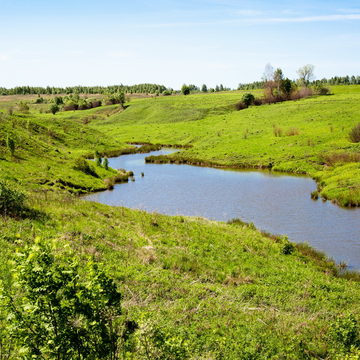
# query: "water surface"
(277, 203)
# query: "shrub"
(106, 164)
(248, 99)
(56, 310)
(344, 332)
(71, 105)
(23, 106)
(185, 90)
(54, 109)
(82, 165)
(288, 249)
(320, 89)
(58, 100)
(39, 100)
(11, 200)
(240, 106)
(355, 133)
(98, 161)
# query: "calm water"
(276, 203)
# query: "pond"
(277, 203)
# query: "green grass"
(227, 291)
(219, 135)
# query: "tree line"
(113, 89)
(335, 80)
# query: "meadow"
(212, 290)
(308, 136)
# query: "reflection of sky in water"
(279, 204)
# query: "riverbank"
(211, 289)
(222, 287)
(308, 136)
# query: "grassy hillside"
(314, 134)
(213, 290)
(219, 291)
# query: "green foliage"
(23, 106)
(10, 143)
(58, 100)
(355, 134)
(56, 310)
(288, 248)
(204, 88)
(248, 99)
(286, 87)
(106, 163)
(81, 164)
(98, 161)
(11, 200)
(185, 90)
(344, 332)
(54, 108)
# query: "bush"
(355, 133)
(248, 99)
(59, 309)
(11, 200)
(82, 165)
(240, 106)
(23, 106)
(185, 90)
(54, 109)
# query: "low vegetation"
(125, 284)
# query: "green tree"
(56, 310)
(106, 163)
(98, 161)
(286, 87)
(54, 109)
(185, 89)
(204, 88)
(248, 99)
(306, 74)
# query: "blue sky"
(172, 42)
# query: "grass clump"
(355, 134)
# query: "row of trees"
(187, 89)
(133, 89)
(306, 75)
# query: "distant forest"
(336, 80)
(134, 89)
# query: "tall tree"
(306, 74)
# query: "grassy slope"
(227, 289)
(222, 136)
(47, 146)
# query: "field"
(313, 135)
(214, 290)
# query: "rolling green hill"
(212, 290)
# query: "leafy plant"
(11, 200)
(55, 310)
(248, 99)
(82, 165)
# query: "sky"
(171, 42)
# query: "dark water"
(276, 203)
